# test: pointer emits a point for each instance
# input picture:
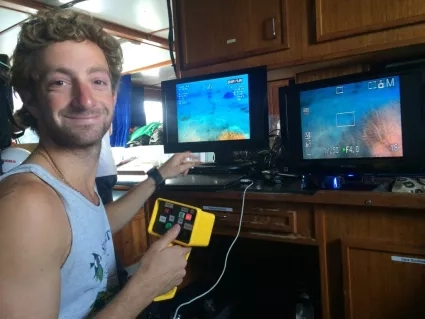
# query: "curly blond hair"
(50, 27)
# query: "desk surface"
(293, 193)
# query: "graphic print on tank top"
(101, 271)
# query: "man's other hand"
(179, 163)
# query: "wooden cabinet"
(220, 35)
(398, 274)
(339, 19)
(214, 31)
(130, 242)
(286, 222)
(369, 246)
(337, 28)
(375, 261)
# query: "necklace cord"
(47, 157)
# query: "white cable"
(225, 260)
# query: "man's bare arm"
(130, 302)
(122, 211)
(162, 268)
(34, 243)
(32, 247)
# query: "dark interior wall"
(140, 94)
(153, 94)
(138, 117)
(5, 100)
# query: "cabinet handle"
(270, 29)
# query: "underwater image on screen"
(213, 110)
(356, 120)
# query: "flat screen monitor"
(221, 113)
(370, 123)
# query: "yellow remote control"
(196, 227)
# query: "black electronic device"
(364, 124)
(200, 181)
(341, 182)
(238, 168)
(220, 112)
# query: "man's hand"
(178, 164)
(163, 267)
(121, 211)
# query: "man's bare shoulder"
(33, 245)
(26, 189)
(27, 203)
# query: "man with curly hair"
(57, 258)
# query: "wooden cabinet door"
(131, 242)
(361, 281)
(222, 30)
(337, 19)
(398, 277)
(336, 28)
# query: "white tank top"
(106, 164)
(89, 276)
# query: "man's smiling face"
(75, 101)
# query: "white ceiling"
(149, 16)
(153, 77)
(8, 39)
(144, 15)
(142, 55)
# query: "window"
(153, 111)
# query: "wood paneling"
(356, 233)
(351, 28)
(131, 241)
(367, 235)
(337, 19)
(149, 67)
(317, 32)
(283, 49)
(394, 277)
(327, 73)
(213, 31)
